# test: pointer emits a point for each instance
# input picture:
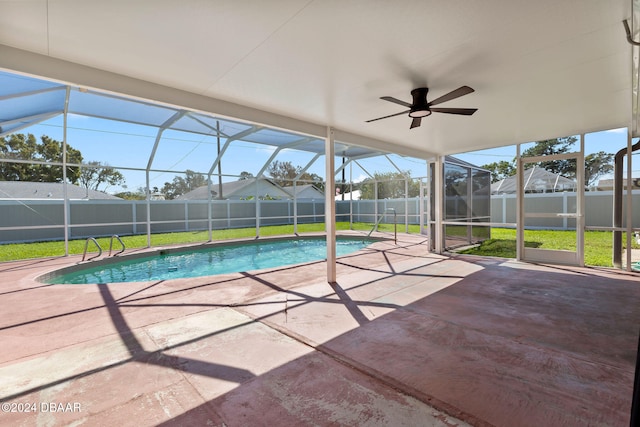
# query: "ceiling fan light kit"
(422, 108)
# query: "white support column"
(580, 220)
(429, 209)
(295, 208)
(375, 205)
(350, 196)
(629, 189)
(438, 198)
(258, 213)
(66, 208)
(519, 206)
(406, 205)
(148, 205)
(420, 208)
(220, 195)
(330, 205)
(209, 209)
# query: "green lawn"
(17, 251)
(597, 244)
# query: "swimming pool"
(208, 261)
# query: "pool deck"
(404, 338)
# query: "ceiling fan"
(421, 108)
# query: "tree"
(180, 185)
(566, 168)
(312, 178)
(283, 174)
(390, 186)
(48, 150)
(455, 181)
(500, 170)
(96, 174)
(139, 194)
(245, 175)
(597, 165)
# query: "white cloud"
(620, 130)
(266, 149)
(360, 178)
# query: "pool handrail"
(86, 246)
(115, 236)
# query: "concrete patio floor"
(405, 338)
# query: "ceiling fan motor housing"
(420, 106)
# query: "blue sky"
(129, 145)
(607, 141)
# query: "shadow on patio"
(487, 341)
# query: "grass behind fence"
(18, 251)
(598, 244)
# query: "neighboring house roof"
(237, 189)
(47, 190)
(459, 162)
(199, 193)
(607, 184)
(536, 180)
(307, 191)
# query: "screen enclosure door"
(551, 200)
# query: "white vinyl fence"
(37, 220)
(598, 209)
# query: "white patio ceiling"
(540, 69)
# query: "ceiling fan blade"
(386, 117)
(461, 111)
(415, 122)
(463, 90)
(396, 101)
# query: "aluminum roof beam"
(27, 121)
(306, 168)
(278, 150)
(229, 140)
(32, 92)
(365, 171)
(83, 76)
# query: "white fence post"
(134, 212)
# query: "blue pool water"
(209, 261)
